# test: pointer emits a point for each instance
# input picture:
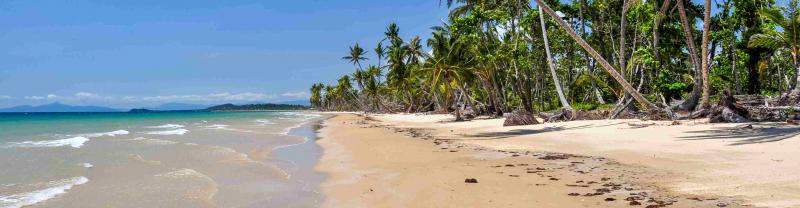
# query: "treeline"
(498, 56)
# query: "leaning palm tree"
(551, 65)
(356, 55)
(789, 38)
(610, 69)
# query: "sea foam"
(169, 132)
(154, 141)
(167, 126)
(31, 198)
(112, 133)
(75, 142)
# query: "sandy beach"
(423, 161)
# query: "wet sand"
(391, 161)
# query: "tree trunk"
(551, 65)
(797, 68)
(662, 13)
(691, 102)
(590, 65)
(610, 69)
(706, 31)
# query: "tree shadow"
(523, 132)
(746, 134)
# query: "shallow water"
(175, 159)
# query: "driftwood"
(520, 118)
(567, 115)
(727, 111)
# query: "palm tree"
(344, 90)
(694, 96)
(789, 38)
(356, 55)
(610, 69)
(706, 31)
(392, 32)
(316, 95)
(380, 51)
(447, 69)
(551, 65)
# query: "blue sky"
(145, 52)
(135, 53)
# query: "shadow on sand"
(747, 134)
(523, 132)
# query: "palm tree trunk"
(797, 68)
(706, 31)
(551, 65)
(610, 69)
(691, 102)
(662, 12)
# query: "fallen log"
(727, 111)
(520, 118)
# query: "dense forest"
(490, 57)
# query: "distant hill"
(177, 107)
(56, 108)
(256, 107)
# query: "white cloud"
(5, 97)
(248, 96)
(296, 95)
(34, 97)
(86, 95)
(210, 98)
(52, 97)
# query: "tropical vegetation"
(493, 57)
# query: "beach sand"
(423, 161)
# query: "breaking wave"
(30, 198)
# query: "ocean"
(164, 159)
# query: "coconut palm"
(551, 65)
(316, 95)
(706, 30)
(356, 55)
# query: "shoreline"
(374, 161)
(298, 160)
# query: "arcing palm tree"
(610, 69)
(789, 38)
(356, 55)
(551, 65)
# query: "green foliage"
(490, 55)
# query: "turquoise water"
(172, 159)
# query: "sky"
(138, 53)
(141, 53)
